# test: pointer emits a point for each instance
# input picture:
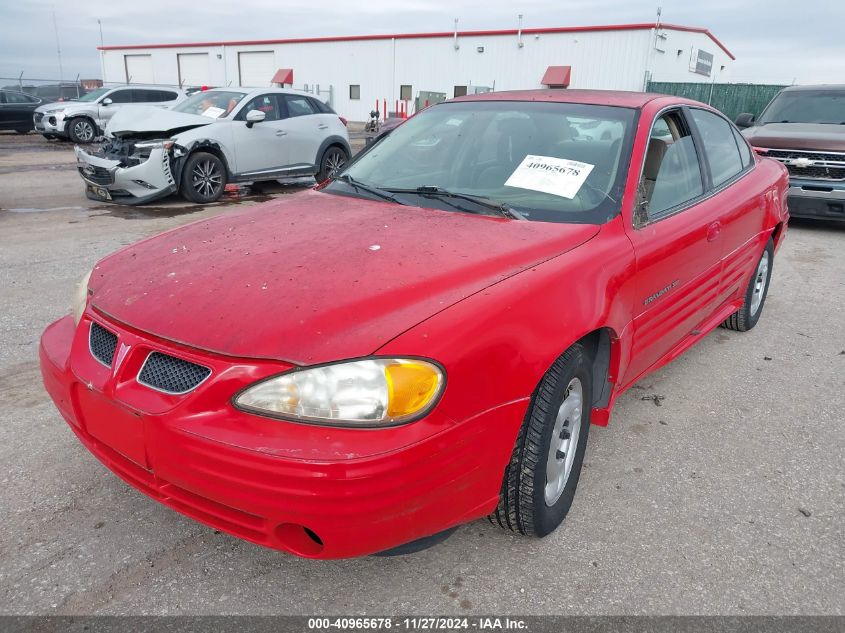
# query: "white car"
(213, 138)
(82, 120)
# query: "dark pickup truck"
(804, 128)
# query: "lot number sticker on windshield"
(213, 112)
(557, 176)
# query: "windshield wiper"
(360, 186)
(503, 208)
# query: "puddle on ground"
(34, 210)
(235, 194)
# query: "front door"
(676, 243)
(262, 147)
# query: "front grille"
(97, 175)
(823, 165)
(39, 116)
(102, 344)
(170, 374)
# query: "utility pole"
(58, 47)
(100, 24)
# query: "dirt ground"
(718, 487)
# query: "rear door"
(676, 242)
(305, 128)
(742, 200)
(119, 98)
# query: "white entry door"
(139, 69)
(194, 69)
(256, 68)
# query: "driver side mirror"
(744, 120)
(106, 101)
(253, 117)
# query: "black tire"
(203, 179)
(334, 158)
(81, 130)
(523, 505)
(758, 287)
(49, 137)
(22, 131)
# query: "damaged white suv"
(213, 138)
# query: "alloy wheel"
(334, 161)
(564, 441)
(206, 178)
(761, 278)
(83, 130)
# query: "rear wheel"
(81, 130)
(755, 294)
(540, 480)
(204, 178)
(333, 160)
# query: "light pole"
(100, 24)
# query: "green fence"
(731, 99)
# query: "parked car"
(58, 92)
(804, 128)
(16, 110)
(426, 338)
(83, 120)
(212, 138)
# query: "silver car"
(213, 138)
(83, 120)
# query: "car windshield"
(542, 161)
(806, 106)
(93, 95)
(214, 104)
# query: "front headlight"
(374, 392)
(80, 297)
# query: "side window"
(354, 92)
(405, 93)
(121, 96)
(460, 91)
(298, 106)
(719, 146)
(321, 107)
(671, 171)
(266, 104)
(744, 150)
(14, 97)
(158, 96)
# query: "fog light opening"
(299, 539)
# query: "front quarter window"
(482, 150)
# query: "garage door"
(194, 69)
(256, 68)
(139, 69)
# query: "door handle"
(280, 133)
(322, 126)
(713, 231)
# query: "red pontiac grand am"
(426, 338)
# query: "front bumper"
(52, 123)
(816, 199)
(108, 181)
(274, 483)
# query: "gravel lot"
(727, 498)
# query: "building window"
(460, 91)
(354, 92)
(405, 93)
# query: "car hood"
(315, 277)
(821, 137)
(150, 121)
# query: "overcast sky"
(775, 41)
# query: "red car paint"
(315, 278)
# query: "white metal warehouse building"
(355, 72)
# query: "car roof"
(816, 88)
(592, 97)
(250, 91)
(142, 86)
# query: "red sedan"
(425, 339)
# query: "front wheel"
(204, 178)
(333, 160)
(755, 294)
(81, 130)
(540, 480)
